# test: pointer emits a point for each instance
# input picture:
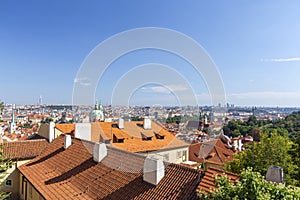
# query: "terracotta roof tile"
(60, 173)
(133, 136)
(214, 151)
(65, 128)
(24, 149)
(207, 182)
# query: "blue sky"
(255, 45)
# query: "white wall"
(174, 155)
(12, 174)
(83, 131)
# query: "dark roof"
(36, 137)
(24, 149)
(71, 173)
(207, 182)
(194, 125)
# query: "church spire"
(12, 124)
(96, 105)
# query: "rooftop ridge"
(20, 141)
(221, 170)
(109, 147)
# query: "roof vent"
(275, 174)
(68, 141)
(147, 124)
(100, 152)
(153, 171)
(121, 123)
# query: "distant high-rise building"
(40, 100)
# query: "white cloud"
(84, 81)
(165, 89)
(281, 59)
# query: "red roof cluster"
(213, 151)
(60, 173)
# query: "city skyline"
(254, 45)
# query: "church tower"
(12, 123)
(98, 113)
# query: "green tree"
(1, 107)
(4, 165)
(252, 185)
(273, 149)
(47, 120)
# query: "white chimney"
(121, 123)
(51, 131)
(68, 141)
(240, 144)
(147, 124)
(205, 120)
(83, 131)
(100, 152)
(153, 171)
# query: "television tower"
(40, 100)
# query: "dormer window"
(147, 138)
(114, 126)
(159, 136)
(118, 139)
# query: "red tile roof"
(214, 151)
(71, 173)
(207, 182)
(24, 149)
(133, 136)
(65, 128)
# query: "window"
(147, 138)
(160, 137)
(166, 157)
(184, 156)
(9, 183)
(179, 154)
